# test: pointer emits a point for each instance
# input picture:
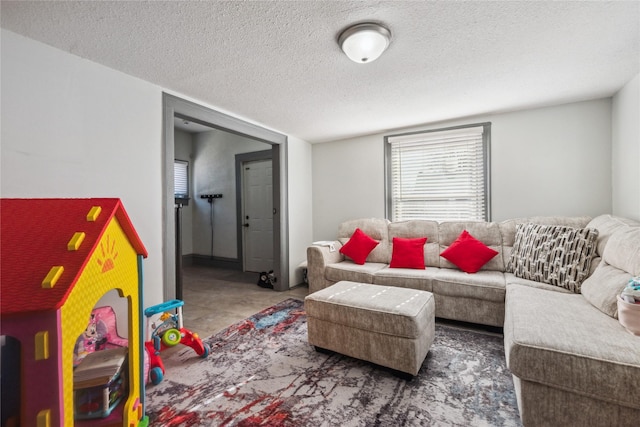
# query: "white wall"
(348, 183)
(300, 206)
(215, 173)
(545, 161)
(74, 128)
(552, 161)
(626, 150)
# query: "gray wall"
(214, 172)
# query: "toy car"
(169, 333)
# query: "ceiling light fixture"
(365, 42)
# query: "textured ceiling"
(278, 63)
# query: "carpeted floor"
(262, 372)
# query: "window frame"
(180, 198)
(486, 157)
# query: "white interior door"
(257, 215)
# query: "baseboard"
(187, 260)
(209, 261)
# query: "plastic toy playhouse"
(99, 378)
(59, 257)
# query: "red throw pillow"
(408, 253)
(468, 253)
(359, 246)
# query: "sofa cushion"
(511, 279)
(562, 341)
(377, 229)
(408, 253)
(620, 262)
(348, 270)
(484, 285)
(557, 255)
(359, 246)
(603, 286)
(406, 278)
(486, 232)
(468, 253)
(420, 228)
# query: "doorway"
(176, 107)
(254, 175)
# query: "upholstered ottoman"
(386, 325)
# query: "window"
(439, 174)
(181, 181)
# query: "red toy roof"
(34, 234)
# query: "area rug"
(263, 372)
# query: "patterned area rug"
(262, 372)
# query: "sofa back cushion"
(606, 226)
(623, 250)
(416, 229)
(486, 232)
(498, 236)
(375, 228)
(620, 261)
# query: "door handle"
(245, 224)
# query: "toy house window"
(440, 174)
(181, 181)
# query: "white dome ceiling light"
(364, 43)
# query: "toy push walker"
(169, 333)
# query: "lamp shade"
(364, 43)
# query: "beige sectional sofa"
(572, 361)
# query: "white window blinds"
(439, 175)
(180, 179)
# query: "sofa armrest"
(318, 257)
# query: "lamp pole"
(179, 251)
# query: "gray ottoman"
(386, 325)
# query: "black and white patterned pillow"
(556, 255)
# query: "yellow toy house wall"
(112, 265)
